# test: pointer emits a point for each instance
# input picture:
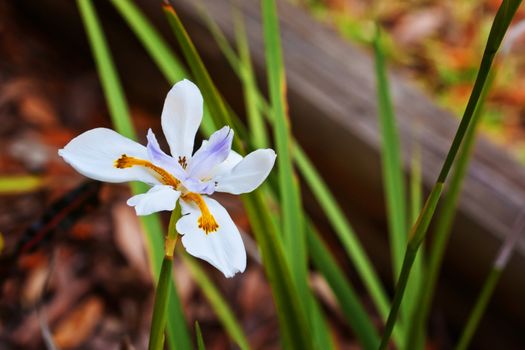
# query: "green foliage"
(348, 300)
(200, 339)
(392, 167)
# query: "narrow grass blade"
(107, 73)
(500, 262)
(415, 285)
(292, 221)
(214, 101)
(500, 25)
(158, 49)
(220, 306)
(416, 182)
(162, 55)
(292, 318)
(242, 66)
(344, 230)
(20, 184)
(446, 216)
(217, 34)
(292, 218)
(321, 336)
(393, 178)
(417, 236)
(348, 300)
(177, 328)
(294, 240)
(481, 304)
(158, 323)
(444, 226)
(198, 335)
(255, 119)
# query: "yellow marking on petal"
(206, 221)
(164, 176)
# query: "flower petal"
(158, 198)
(248, 174)
(93, 154)
(198, 186)
(225, 167)
(161, 159)
(211, 153)
(181, 117)
(223, 248)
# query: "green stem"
(501, 22)
(107, 72)
(217, 107)
(500, 262)
(479, 308)
(417, 236)
(499, 27)
(393, 181)
(349, 302)
(247, 76)
(158, 322)
(443, 227)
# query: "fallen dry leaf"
(78, 326)
(129, 238)
(38, 111)
(34, 285)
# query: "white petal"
(181, 117)
(161, 159)
(248, 174)
(93, 154)
(223, 248)
(225, 167)
(158, 198)
(211, 153)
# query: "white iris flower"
(207, 229)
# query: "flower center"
(206, 221)
(183, 163)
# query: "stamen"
(165, 177)
(206, 221)
(182, 161)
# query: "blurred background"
(73, 263)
